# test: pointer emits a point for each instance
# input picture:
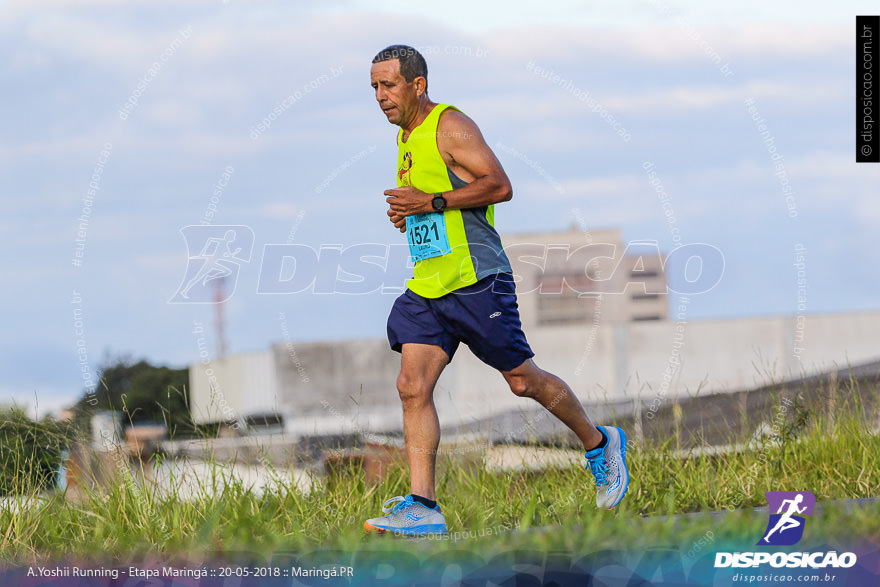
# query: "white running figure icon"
(215, 251)
(786, 522)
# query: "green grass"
(835, 460)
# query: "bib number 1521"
(426, 234)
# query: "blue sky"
(675, 75)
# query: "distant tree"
(30, 451)
(143, 393)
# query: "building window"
(565, 283)
(559, 298)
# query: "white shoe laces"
(390, 509)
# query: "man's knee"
(522, 386)
(411, 388)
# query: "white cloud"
(280, 210)
(605, 187)
(687, 97)
(670, 42)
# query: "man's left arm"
(466, 153)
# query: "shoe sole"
(370, 529)
(625, 468)
(434, 530)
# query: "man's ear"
(421, 85)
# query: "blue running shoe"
(608, 465)
(408, 517)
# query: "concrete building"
(348, 386)
(575, 277)
(324, 388)
(595, 312)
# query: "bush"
(30, 452)
(143, 393)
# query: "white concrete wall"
(647, 359)
(350, 386)
(234, 387)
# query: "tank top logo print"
(403, 172)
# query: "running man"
(786, 521)
(462, 289)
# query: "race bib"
(426, 234)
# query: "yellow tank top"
(458, 247)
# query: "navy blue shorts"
(484, 316)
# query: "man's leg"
(420, 367)
(528, 380)
(605, 449)
(486, 317)
(425, 349)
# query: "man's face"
(398, 99)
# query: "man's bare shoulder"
(455, 124)
(456, 131)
